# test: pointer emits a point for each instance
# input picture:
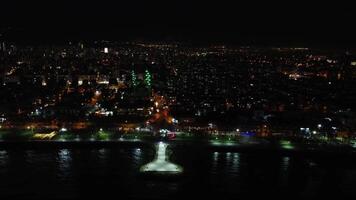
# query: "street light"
(210, 125)
(63, 129)
(30, 127)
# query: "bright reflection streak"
(215, 161)
(64, 156)
(284, 169)
(216, 156)
(137, 153)
(64, 160)
(236, 159)
(285, 163)
(136, 156)
(161, 163)
(3, 157)
(236, 163)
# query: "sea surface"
(92, 172)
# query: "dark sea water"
(114, 172)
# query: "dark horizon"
(295, 24)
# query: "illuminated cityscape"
(145, 100)
(138, 90)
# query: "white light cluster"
(161, 163)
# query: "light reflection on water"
(3, 158)
(225, 161)
(136, 155)
(74, 172)
(285, 163)
(215, 161)
(64, 160)
(236, 162)
(102, 152)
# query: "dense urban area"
(110, 91)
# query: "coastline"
(305, 150)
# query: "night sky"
(221, 21)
